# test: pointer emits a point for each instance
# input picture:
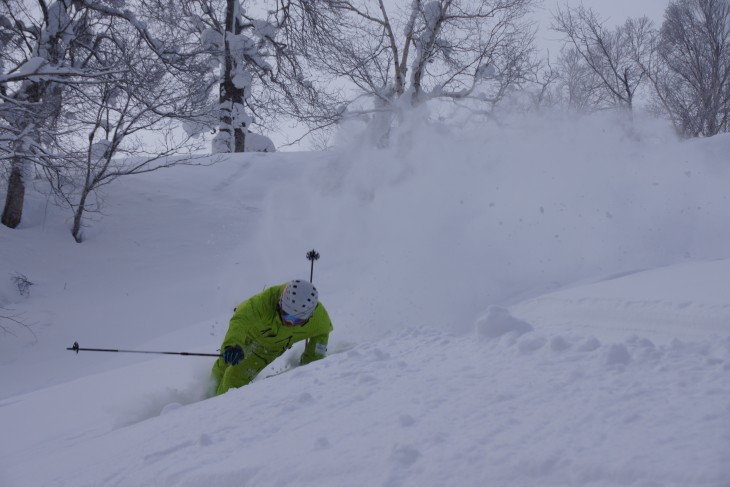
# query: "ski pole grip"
(312, 255)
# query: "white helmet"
(299, 299)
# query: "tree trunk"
(13, 211)
(78, 214)
(231, 96)
(239, 138)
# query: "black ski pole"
(77, 349)
(312, 255)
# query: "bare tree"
(399, 55)
(9, 322)
(544, 78)
(605, 52)
(580, 86)
(691, 72)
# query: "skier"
(266, 325)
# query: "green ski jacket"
(257, 327)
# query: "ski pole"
(312, 255)
(77, 349)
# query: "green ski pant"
(227, 376)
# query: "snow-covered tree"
(34, 40)
(106, 122)
(258, 67)
(56, 56)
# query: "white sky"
(613, 11)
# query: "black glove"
(233, 354)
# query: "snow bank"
(416, 408)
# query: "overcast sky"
(613, 11)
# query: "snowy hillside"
(542, 304)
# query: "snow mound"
(498, 321)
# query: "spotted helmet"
(299, 298)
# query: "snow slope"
(543, 303)
(684, 301)
(418, 407)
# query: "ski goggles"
(291, 320)
(294, 320)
